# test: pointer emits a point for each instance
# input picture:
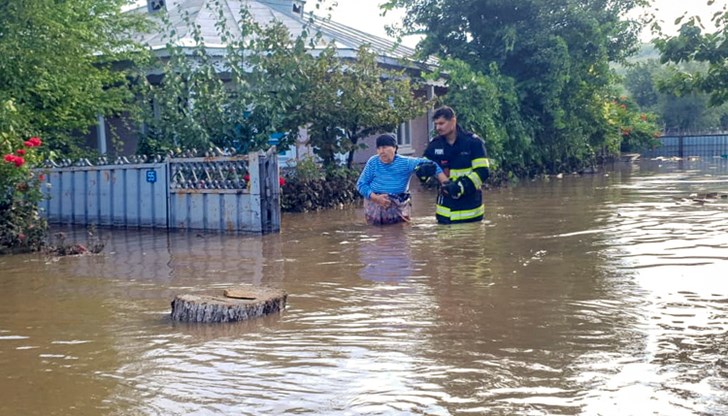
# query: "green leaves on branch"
(547, 64)
(267, 82)
(353, 99)
(693, 43)
(65, 62)
(496, 116)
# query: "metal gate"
(221, 193)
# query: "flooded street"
(596, 295)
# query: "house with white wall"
(412, 135)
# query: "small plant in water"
(60, 247)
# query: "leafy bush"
(309, 187)
(634, 130)
(21, 228)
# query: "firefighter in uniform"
(462, 156)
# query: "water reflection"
(385, 254)
(591, 295)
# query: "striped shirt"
(389, 178)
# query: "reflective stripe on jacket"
(466, 157)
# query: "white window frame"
(404, 137)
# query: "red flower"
(246, 178)
(41, 177)
(10, 158)
(33, 142)
(281, 181)
(20, 152)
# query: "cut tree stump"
(234, 304)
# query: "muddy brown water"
(598, 295)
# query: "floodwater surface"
(583, 295)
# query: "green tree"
(693, 43)
(557, 52)
(267, 82)
(640, 81)
(648, 83)
(498, 120)
(353, 99)
(64, 62)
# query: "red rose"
(19, 161)
(41, 177)
(33, 142)
(9, 158)
(20, 152)
(281, 181)
(246, 178)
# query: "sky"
(365, 14)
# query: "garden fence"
(215, 193)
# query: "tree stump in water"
(235, 304)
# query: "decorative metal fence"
(707, 145)
(217, 193)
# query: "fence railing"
(220, 193)
(705, 145)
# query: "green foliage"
(497, 120)
(205, 100)
(649, 85)
(310, 187)
(21, 227)
(634, 131)
(554, 53)
(269, 81)
(354, 99)
(692, 43)
(65, 62)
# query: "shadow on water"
(601, 294)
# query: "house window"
(404, 134)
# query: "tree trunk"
(237, 304)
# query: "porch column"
(430, 124)
(101, 136)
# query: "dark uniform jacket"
(466, 161)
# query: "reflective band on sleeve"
(482, 162)
(456, 173)
(477, 182)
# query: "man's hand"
(453, 189)
(381, 199)
(425, 171)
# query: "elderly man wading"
(384, 182)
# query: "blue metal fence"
(707, 145)
(225, 193)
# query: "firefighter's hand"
(381, 199)
(425, 171)
(453, 189)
